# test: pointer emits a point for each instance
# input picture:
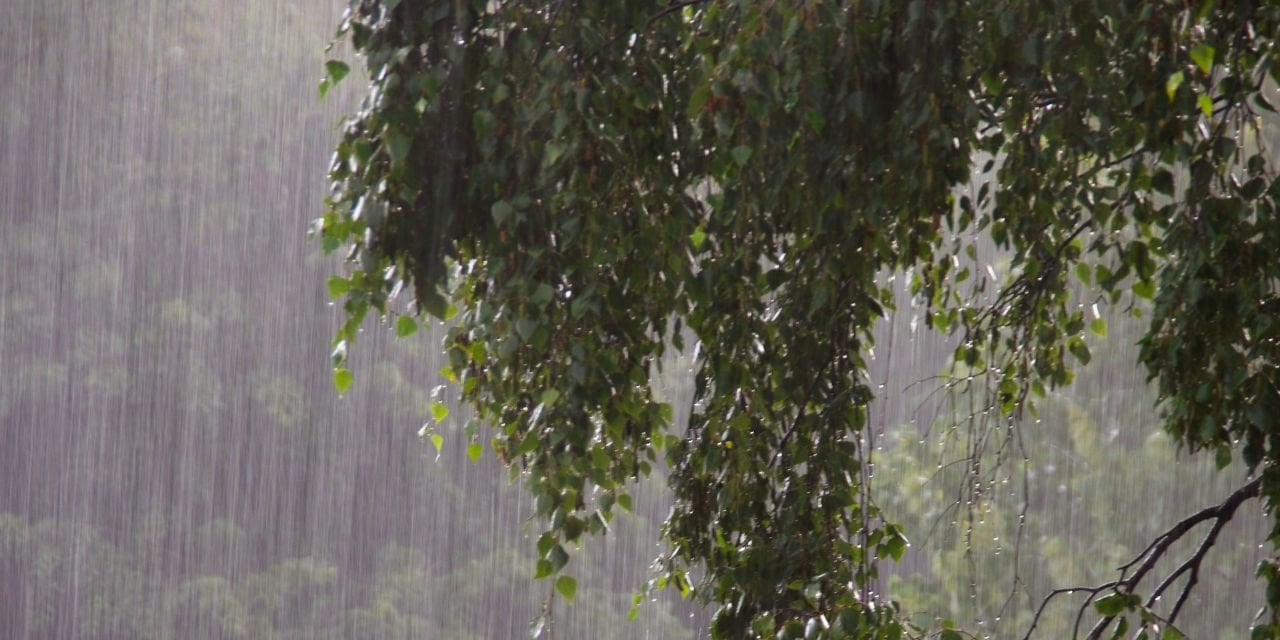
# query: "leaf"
(1171, 85)
(542, 295)
(474, 451)
(1110, 605)
(342, 379)
(437, 441)
(697, 238)
(439, 411)
(501, 212)
(1202, 55)
(1083, 273)
(550, 396)
(950, 634)
(698, 98)
(567, 586)
(398, 145)
(1206, 104)
(337, 286)
(1099, 326)
(558, 557)
(895, 546)
(406, 326)
(337, 70)
(1079, 349)
(741, 154)
(1222, 456)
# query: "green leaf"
(1084, 273)
(1202, 55)
(337, 286)
(895, 546)
(550, 396)
(697, 238)
(1206, 104)
(501, 212)
(567, 586)
(337, 70)
(1110, 605)
(1099, 327)
(1079, 349)
(1144, 289)
(1222, 456)
(474, 451)
(542, 295)
(342, 379)
(698, 98)
(437, 441)
(406, 326)
(542, 569)
(398, 145)
(439, 411)
(1171, 85)
(950, 634)
(558, 557)
(741, 154)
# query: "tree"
(578, 188)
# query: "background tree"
(580, 187)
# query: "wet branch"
(1143, 563)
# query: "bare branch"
(1220, 514)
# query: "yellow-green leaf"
(342, 379)
(1202, 55)
(439, 411)
(1171, 85)
(1099, 326)
(337, 286)
(1206, 104)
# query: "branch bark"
(1220, 514)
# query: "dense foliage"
(580, 186)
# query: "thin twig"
(1220, 513)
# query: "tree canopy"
(580, 188)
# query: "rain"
(175, 461)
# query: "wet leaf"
(567, 587)
(439, 411)
(406, 326)
(1202, 54)
(342, 379)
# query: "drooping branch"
(1142, 564)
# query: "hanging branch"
(1142, 564)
